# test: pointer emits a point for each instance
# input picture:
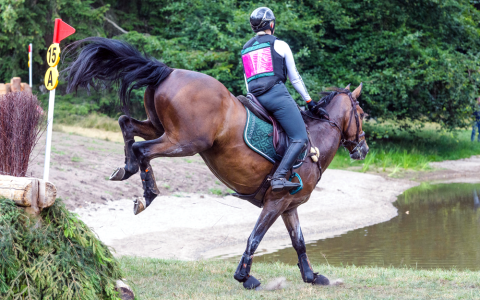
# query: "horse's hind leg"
(131, 128)
(290, 218)
(271, 211)
(161, 147)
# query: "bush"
(60, 259)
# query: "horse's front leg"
(290, 218)
(148, 150)
(271, 211)
(131, 128)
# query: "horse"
(192, 113)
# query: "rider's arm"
(283, 50)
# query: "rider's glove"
(311, 104)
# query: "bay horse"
(192, 113)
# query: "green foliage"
(31, 21)
(418, 58)
(60, 259)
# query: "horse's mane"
(320, 108)
(329, 94)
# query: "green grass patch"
(58, 152)
(93, 120)
(216, 191)
(213, 279)
(76, 158)
(392, 150)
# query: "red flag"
(61, 31)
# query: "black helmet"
(260, 19)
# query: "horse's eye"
(362, 116)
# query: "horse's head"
(346, 115)
(353, 136)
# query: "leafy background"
(418, 59)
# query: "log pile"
(32, 193)
(15, 85)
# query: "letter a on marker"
(50, 80)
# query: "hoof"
(139, 205)
(118, 174)
(251, 283)
(320, 280)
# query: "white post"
(30, 67)
(48, 144)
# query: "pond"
(438, 226)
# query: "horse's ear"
(358, 91)
(347, 87)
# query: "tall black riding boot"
(279, 182)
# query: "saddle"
(280, 142)
(280, 138)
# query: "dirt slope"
(81, 166)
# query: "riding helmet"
(260, 19)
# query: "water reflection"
(436, 226)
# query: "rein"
(343, 141)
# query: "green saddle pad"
(258, 135)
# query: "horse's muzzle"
(360, 151)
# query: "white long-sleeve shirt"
(284, 51)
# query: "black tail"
(103, 62)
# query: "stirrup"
(298, 189)
(282, 184)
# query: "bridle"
(343, 141)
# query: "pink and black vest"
(262, 65)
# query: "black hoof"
(320, 280)
(251, 283)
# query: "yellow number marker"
(51, 78)
(53, 55)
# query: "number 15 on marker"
(53, 55)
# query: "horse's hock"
(15, 85)
(31, 193)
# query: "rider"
(267, 61)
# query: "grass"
(93, 120)
(216, 191)
(392, 150)
(91, 133)
(213, 279)
(76, 158)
